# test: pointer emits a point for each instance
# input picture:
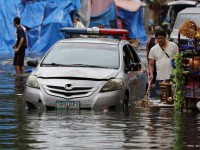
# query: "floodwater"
(132, 129)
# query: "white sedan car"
(88, 72)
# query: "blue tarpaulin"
(43, 19)
(106, 18)
(133, 22)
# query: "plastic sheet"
(43, 19)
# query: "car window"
(174, 10)
(88, 54)
(134, 55)
(127, 56)
(183, 17)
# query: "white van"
(175, 7)
(192, 14)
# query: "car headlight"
(112, 85)
(32, 82)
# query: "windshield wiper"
(52, 64)
(65, 65)
(91, 66)
(75, 65)
(78, 65)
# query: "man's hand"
(13, 46)
(16, 50)
(150, 77)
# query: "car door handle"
(136, 75)
(144, 70)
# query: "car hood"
(174, 34)
(77, 72)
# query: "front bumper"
(96, 100)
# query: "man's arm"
(177, 49)
(147, 49)
(151, 68)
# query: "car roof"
(92, 40)
(190, 10)
(182, 2)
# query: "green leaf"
(179, 82)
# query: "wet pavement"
(132, 129)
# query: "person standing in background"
(77, 23)
(19, 47)
(150, 43)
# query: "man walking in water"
(162, 54)
(19, 47)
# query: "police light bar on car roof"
(95, 31)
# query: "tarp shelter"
(43, 19)
(103, 14)
(131, 14)
(129, 11)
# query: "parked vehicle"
(191, 14)
(175, 7)
(87, 72)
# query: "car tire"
(126, 100)
(30, 106)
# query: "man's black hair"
(161, 32)
(17, 20)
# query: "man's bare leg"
(17, 69)
(22, 70)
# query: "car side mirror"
(136, 66)
(32, 63)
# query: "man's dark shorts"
(19, 57)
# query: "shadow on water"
(89, 130)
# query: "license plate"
(67, 105)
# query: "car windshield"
(183, 17)
(83, 55)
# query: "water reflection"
(84, 129)
(19, 85)
(187, 131)
(13, 132)
(98, 130)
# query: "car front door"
(131, 76)
(140, 74)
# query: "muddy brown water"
(21, 129)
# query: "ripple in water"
(89, 130)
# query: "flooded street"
(89, 130)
